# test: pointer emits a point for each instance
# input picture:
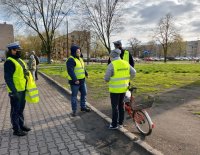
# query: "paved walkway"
(54, 131)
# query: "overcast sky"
(142, 16)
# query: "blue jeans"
(83, 90)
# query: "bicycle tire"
(142, 123)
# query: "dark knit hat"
(73, 50)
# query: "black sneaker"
(19, 133)
(86, 109)
(24, 128)
(73, 114)
(112, 127)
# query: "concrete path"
(54, 131)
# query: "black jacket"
(131, 61)
(71, 65)
(9, 69)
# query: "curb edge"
(130, 135)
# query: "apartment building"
(193, 48)
(63, 44)
(6, 37)
(188, 49)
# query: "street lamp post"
(192, 52)
(67, 33)
(67, 40)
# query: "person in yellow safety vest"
(76, 76)
(118, 74)
(15, 73)
(125, 54)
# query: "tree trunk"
(88, 50)
(49, 53)
(165, 55)
(49, 58)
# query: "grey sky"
(142, 16)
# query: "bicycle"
(138, 113)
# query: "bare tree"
(165, 33)
(98, 48)
(30, 43)
(135, 46)
(43, 16)
(104, 18)
(179, 46)
(152, 47)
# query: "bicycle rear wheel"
(142, 123)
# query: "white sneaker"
(120, 126)
(112, 127)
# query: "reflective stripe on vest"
(79, 69)
(32, 94)
(126, 56)
(18, 76)
(119, 81)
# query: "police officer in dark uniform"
(15, 77)
(125, 54)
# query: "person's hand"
(77, 82)
(14, 95)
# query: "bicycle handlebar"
(132, 89)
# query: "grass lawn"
(150, 78)
(197, 113)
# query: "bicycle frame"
(138, 116)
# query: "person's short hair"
(33, 52)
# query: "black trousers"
(16, 112)
(117, 108)
(36, 73)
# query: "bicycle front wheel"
(142, 123)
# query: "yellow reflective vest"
(18, 76)
(79, 69)
(21, 83)
(126, 56)
(119, 81)
(32, 94)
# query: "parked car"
(137, 59)
(93, 59)
(45, 60)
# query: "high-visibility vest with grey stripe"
(79, 69)
(18, 76)
(32, 94)
(119, 81)
(126, 56)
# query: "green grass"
(197, 113)
(150, 78)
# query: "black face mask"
(120, 48)
(18, 54)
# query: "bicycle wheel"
(142, 122)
